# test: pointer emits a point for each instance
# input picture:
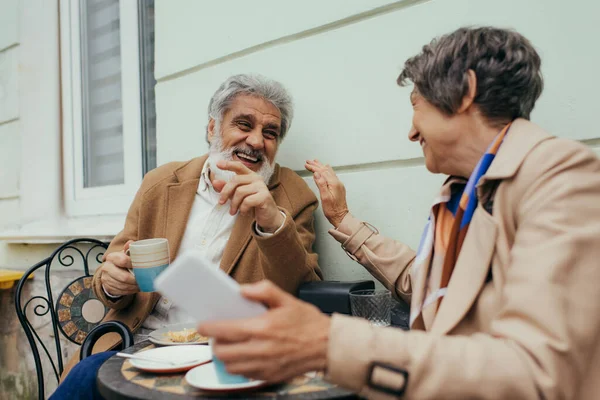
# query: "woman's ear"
(469, 98)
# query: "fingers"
(111, 290)
(323, 175)
(267, 293)
(310, 167)
(251, 202)
(218, 185)
(118, 281)
(323, 187)
(118, 274)
(247, 197)
(254, 359)
(257, 368)
(245, 193)
(126, 246)
(116, 277)
(117, 288)
(234, 166)
(228, 331)
(315, 163)
(119, 259)
(322, 170)
(236, 351)
(234, 331)
(239, 180)
(327, 178)
(314, 166)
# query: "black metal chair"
(77, 313)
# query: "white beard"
(216, 153)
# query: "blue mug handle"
(130, 270)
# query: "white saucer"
(205, 377)
(185, 357)
(160, 337)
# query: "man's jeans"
(81, 381)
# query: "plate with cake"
(175, 335)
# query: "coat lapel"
(180, 199)
(419, 284)
(470, 272)
(239, 239)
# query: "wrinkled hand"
(248, 192)
(331, 190)
(290, 339)
(115, 278)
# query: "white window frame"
(113, 199)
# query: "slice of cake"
(184, 336)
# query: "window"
(109, 120)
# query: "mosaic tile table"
(118, 379)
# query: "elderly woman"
(504, 286)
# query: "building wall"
(340, 60)
(9, 113)
(30, 171)
(29, 136)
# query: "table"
(117, 379)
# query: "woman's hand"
(332, 191)
(291, 338)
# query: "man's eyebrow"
(248, 117)
(272, 125)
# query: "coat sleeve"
(543, 337)
(291, 247)
(387, 260)
(129, 232)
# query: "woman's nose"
(413, 134)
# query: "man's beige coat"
(521, 318)
(161, 209)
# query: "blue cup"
(149, 258)
(145, 277)
(224, 377)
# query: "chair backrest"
(73, 312)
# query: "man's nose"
(255, 139)
(413, 134)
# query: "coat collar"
(475, 257)
(522, 137)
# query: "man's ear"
(469, 97)
(210, 130)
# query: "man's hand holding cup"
(135, 268)
(116, 277)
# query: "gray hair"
(507, 67)
(253, 85)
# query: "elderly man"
(251, 217)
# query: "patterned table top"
(118, 379)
